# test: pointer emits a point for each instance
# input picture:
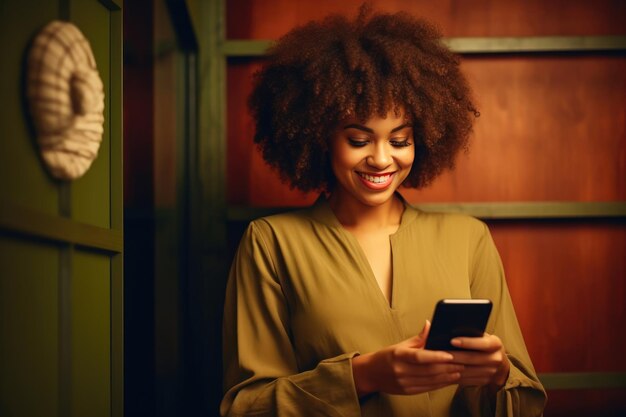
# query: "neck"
(351, 213)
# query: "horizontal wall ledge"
(504, 211)
(24, 221)
(532, 210)
(475, 45)
(586, 380)
(537, 44)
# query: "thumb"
(420, 340)
(424, 333)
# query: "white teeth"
(377, 179)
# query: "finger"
(469, 357)
(477, 358)
(478, 372)
(421, 356)
(425, 331)
(412, 370)
(487, 343)
(419, 340)
(448, 378)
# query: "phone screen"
(457, 317)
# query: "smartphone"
(457, 317)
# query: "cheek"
(343, 159)
(406, 159)
(405, 163)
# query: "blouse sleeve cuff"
(521, 395)
(326, 390)
(337, 384)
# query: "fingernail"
(456, 342)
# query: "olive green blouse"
(302, 301)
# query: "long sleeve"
(522, 395)
(262, 376)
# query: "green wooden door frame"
(208, 199)
(117, 208)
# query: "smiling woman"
(323, 305)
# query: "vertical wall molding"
(210, 171)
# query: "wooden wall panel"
(91, 336)
(65, 355)
(240, 130)
(250, 180)
(166, 128)
(270, 19)
(89, 203)
(139, 100)
(543, 135)
(551, 128)
(29, 329)
(596, 403)
(568, 283)
(30, 188)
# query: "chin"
(378, 199)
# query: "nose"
(380, 158)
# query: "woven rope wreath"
(66, 99)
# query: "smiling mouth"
(376, 179)
(376, 182)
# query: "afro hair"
(327, 71)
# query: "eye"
(358, 143)
(400, 142)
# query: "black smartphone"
(457, 317)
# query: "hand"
(405, 368)
(485, 361)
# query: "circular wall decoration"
(66, 99)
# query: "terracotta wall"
(552, 128)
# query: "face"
(370, 160)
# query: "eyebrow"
(368, 130)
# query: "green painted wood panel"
(58, 314)
(29, 331)
(90, 195)
(23, 178)
(91, 335)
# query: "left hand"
(485, 361)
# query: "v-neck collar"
(322, 213)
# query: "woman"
(323, 304)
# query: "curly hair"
(324, 72)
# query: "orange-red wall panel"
(270, 19)
(568, 284)
(551, 128)
(586, 403)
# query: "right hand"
(405, 368)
